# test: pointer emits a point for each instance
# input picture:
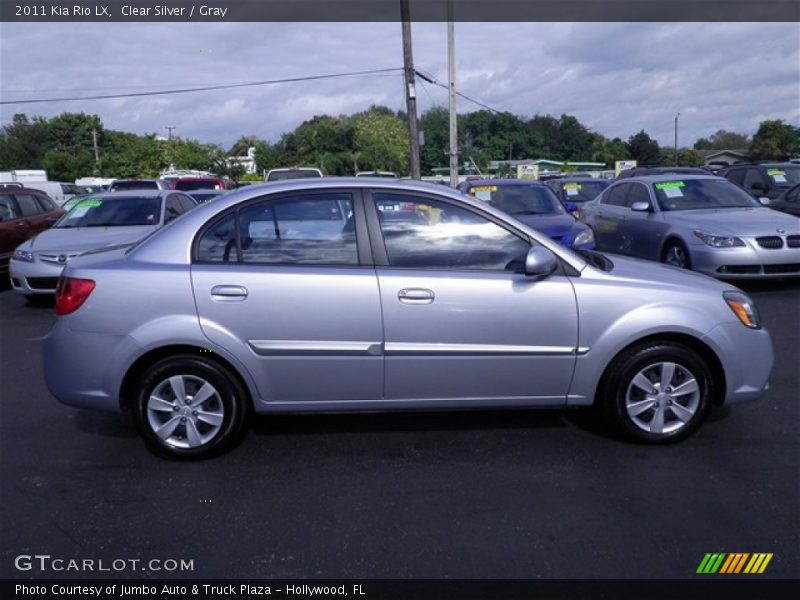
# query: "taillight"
(71, 293)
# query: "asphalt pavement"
(511, 494)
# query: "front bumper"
(38, 277)
(747, 358)
(746, 262)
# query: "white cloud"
(616, 78)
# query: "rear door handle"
(229, 293)
(416, 296)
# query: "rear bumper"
(84, 369)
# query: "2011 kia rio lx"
(357, 294)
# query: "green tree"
(643, 149)
(23, 143)
(435, 123)
(381, 140)
(775, 140)
(723, 140)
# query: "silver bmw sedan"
(698, 222)
(361, 294)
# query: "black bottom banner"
(403, 589)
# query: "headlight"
(743, 308)
(583, 238)
(23, 255)
(719, 241)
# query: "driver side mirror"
(540, 262)
(641, 206)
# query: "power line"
(432, 80)
(205, 88)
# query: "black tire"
(676, 254)
(223, 417)
(619, 397)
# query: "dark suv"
(763, 180)
(23, 213)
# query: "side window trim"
(362, 234)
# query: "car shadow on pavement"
(105, 424)
(423, 421)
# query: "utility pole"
(676, 138)
(451, 72)
(169, 128)
(411, 92)
(96, 154)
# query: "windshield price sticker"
(778, 175)
(665, 185)
(484, 188)
(90, 203)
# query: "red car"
(23, 213)
(190, 184)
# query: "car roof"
(483, 182)
(670, 177)
(132, 194)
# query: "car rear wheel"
(676, 255)
(188, 407)
(657, 393)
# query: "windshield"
(696, 194)
(116, 212)
(582, 191)
(784, 176)
(519, 199)
(197, 184)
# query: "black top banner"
(389, 10)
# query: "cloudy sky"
(616, 78)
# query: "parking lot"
(514, 494)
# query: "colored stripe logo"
(734, 563)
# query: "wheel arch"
(152, 356)
(706, 353)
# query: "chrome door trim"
(403, 348)
(314, 347)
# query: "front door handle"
(229, 293)
(416, 296)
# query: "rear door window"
(28, 205)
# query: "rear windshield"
(197, 184)
(582, 191)
(117, 212)
(697, 194)
(519, 199)
(295, 174)
(119, 186)
(784, 176)
(204, 196)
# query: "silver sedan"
(697, 222)
(366, 294)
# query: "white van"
(60, 192)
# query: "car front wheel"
(657, 393)
(188, 407)
(676, 255)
